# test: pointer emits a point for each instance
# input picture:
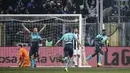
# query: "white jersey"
(76, 46)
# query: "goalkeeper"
(35, 40)
(100, 41)
(68, 49)
(24, 57)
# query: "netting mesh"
(56, 26)
(12, 33)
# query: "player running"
(24, 60)
(100, 41)
(76, 48)
(68, 48)
(35, 40)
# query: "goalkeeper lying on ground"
(24, 60)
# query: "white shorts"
(76, 52)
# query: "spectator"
(32, 7)
(91, 17)
(40, 6)
(20, 8)
(49, 42)
(10, 10)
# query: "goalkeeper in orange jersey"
(24, 60)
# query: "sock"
(75, 60)
(100, 58)
(68, 63)
(33, 63)
(89, 57)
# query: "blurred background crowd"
(85, 7)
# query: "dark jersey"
(35, 38)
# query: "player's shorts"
(76, 52)
(99, 50)
(68, 50)
(26, 63)
(34, 50)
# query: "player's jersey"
(23, 53)
(101, 40)
(75, 44)
(35, 38)
(68, 38)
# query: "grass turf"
(61, 70)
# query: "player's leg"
(90, 56)
(35, 55)
(36, 61)
(70, 57)
(31, 52)
(75, 58)
(100, 58)
(26, 63)
(65, 58)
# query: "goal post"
(13, 34)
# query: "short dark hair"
(20, 45)
(104, 30)
(75, 27)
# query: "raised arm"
(57, 42)
(25, 28)
(42, 28)
(87, 5)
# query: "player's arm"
(25, 28)
(59, 40)
(87, 5)
(42, 28)
(79, 43)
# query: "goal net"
(12, 34)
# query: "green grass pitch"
(61, 70)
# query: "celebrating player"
(100, 40)
(35, 39)
(24, 60)
(68, 49)
(76, 48)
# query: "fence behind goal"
(12, 34)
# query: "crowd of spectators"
(37, 6)
(87, 9)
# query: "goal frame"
(80, 28)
